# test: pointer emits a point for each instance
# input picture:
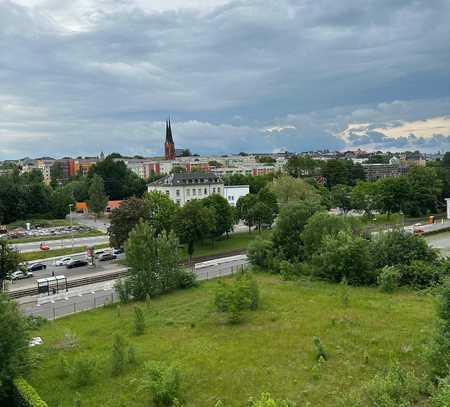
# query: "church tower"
(169, 145)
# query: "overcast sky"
(81, 76)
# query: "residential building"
(184, 187)
(377, 171)
(45, 165)
(233, 192)
(83, 165)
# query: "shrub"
(162, 381)
(123, 288)
(83, 372)
(187, 279)
(388, 278)
(420, 274)
(35, 322)
(342, 256)
(288, 270)
(319, 350)
(266, 400)
(63, 369)
(441, 398)
(139, 321)
(118, 355)
(398, 247)
(438, 351)
(345, 293)
(132, 359)
(259, 253)
(236, 296)
(397, 388)
(77, 400)
(26, 395)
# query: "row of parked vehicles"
(70, 263)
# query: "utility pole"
(71, 221)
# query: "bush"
(26, 395)
(123, 288)
(400, 248)
(236, 296)
(420, 274)
(344, 256)
(139, 321)
(266, 400)
(441, 398)
(319, 350)
(63, 369)
(438, 351)
(35, 322)
(187, 279)
(397, 388)
(288, 270)
(132, 359)
(162, 381)
(83, 372)
(118, 355)
(260, 253)
(388, 278)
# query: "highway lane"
(440, 241)
(62, 243)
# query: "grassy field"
(57, 252)
(89, 233)
(270, 351)
(40, 222)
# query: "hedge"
(26, 395)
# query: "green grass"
(41, 255)
(270, 351)
(89, 233)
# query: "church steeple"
(169, 145)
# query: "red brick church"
(169, 145)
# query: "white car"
(19, 275)
(63, 262)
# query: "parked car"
(118, 251)
(98, 253)
(36, 267)
(107, 256)
(76, 263)
(44, 246)
(19, 275)
(63, 262)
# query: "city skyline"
(80, 77)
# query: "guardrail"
(114, 275)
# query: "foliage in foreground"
(237, 295)
(266, 400)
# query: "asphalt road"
(63, 243)
(100, 266)
(440, 241)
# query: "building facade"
(233, 192)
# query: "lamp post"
(71, 222)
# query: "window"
(199, 191)
(178, 192)
(218, 190)
(214, 190)
(194, 191)
(188, 192)
(178, 202)
(206, 191)
(167, 192)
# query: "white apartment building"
(184, 187)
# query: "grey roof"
(188, 178)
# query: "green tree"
(344, 256)
(288, 189)
(244, 207)
(224, 216)
(363, 197)
(153, 262)
(341, 197)
(302, 166)
(118, 355)
(125, 218)
(162, 211)
(193, 223)
(341, 172)
(97, 197)
(321, 225)
(290, 224)
(9, 261)
(14, 354)
(59, 203)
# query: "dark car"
(36, 267)
(107, 256)
(76, 263)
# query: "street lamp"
(71, 221)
